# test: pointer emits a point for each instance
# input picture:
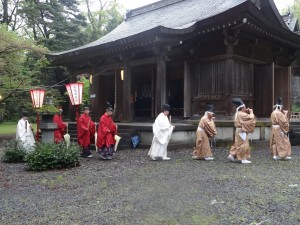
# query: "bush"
(13, 152)
(295, 108)
(53, 156)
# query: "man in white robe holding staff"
(24, 133)
(162, 131)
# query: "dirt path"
(134, 190)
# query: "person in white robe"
(162, 130)
(24, 133)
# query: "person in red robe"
(107, 130)
(61, 126)
(85, 130)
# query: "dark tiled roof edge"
(151, 7)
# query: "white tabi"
(162, 130)
(25, 136)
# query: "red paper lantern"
(75, 91)
(37, 97)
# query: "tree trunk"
(5, 12)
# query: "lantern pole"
(37, 135)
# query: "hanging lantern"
(122, 74)
(75, 92)
(37, 97)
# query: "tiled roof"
(173, 14)
(291, 22)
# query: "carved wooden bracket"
(162, 52)
(231, 38)
(126, 56)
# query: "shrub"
(53, 156)
(295, 108)
(13, 152)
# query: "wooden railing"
(295, 116)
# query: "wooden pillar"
(187, 104)
(160, 89)
(230, 81)
(153, 92)
(282, 86)
(263, 90)
(95, 96)
(127, 114)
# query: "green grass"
(10, 127)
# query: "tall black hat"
(209, 107)
(109, 107)
(166, 107)
(237, 102)
(278, 103)
(25, 113)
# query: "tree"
(104, 19)
(295, 9)
(9, 14)
(21, 61)
(57, 24)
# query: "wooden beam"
(160, 89)
(127, 114)
(187, 90)
(140, 62)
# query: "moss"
(48, 109)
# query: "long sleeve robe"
(244, 123)
(59, 132)
(279, 142)
(24, 135)
(106, 131)
(84, 128)
(206, 129)
(162, 130)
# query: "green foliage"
(295, 108)
(53, 156)
(102, 20)
(57, 24)
(296, 9)
(48, 109)
(13, 152)
(86, 90)
(20, 63)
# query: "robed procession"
(152, 112)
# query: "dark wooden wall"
(219, 81)
(263, 90)
(282, 86)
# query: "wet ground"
(133, 190)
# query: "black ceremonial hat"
(279, 101)
(209, 107)
(166, 107)
(109, 107)
(237, 101)
(25, 113)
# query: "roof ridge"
(150, 7)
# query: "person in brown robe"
(245, 124)
(206, 129)
(279, 141)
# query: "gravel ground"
(133, 190)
